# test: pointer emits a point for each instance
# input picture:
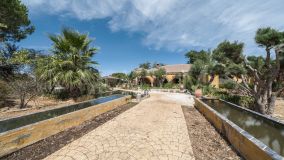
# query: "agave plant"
(71, 65)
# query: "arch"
(165, 81)
(148, 80)
(176, 80)
(170, 77)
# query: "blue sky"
(130, 32)
(119, 51)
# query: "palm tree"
(71, 64)
(160, 75)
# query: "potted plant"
(197, 91)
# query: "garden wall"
(16, 139)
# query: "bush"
(98, 88)
(208, 90)
(61, 94)
(168, 85)
(244, 101)
(4, 91)
(228, 85)
(25, 89)
(145, 86)
(190, 83)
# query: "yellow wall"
(170, 77)
(205, 79)
(150, 79)
(238, 80)
(216, 82)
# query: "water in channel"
(267, 131)
(9, 124)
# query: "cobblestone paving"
(154, 129)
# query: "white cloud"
(177, 25)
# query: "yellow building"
(174, 74)
(215, 82)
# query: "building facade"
(174, 74)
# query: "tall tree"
(71, 64)
(120, 75)
(132, 77)
(14, 26)
(14, 21)
(23, 82)
(141, 75)
(262, 71)
(146, 65)
(160, 75)
(197, 55)
(202, 64)
(6, 54)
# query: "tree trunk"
(75, 93)
(22, 102)
(260, 106)
(265, 104)
(271, 104)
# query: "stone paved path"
(154, 129)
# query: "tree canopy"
(146, 65)
(197, 55)
(159, 75)
(263, 71)
(229, 57)
(72, 64)
(14, 21)
(262, 77)
(202, 64)
(120, 75)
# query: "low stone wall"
(16, 139)
(249, 147)
(168, 90)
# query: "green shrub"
(194, 87)
(244, 101)
(145, 86)
(168, 85)
(4, 90)
(228, 85)
(191, 83)
(247, 101)
(208, 90)
(61, 95)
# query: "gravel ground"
(207, 143)
(279, 109)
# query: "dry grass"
(279, 109)
(38, 104)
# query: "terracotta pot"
(198, 93)
(181, 87)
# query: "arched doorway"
(147, 80)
